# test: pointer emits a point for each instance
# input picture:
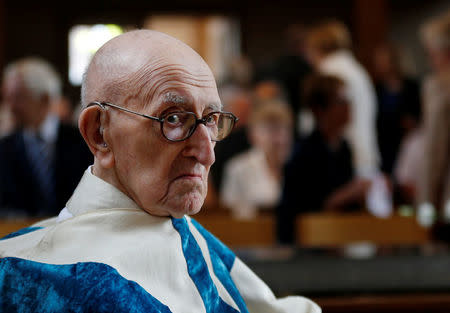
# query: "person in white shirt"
(252, 179)
(329, 51)
(125, 241)
(434, 187)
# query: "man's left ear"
(92, 123)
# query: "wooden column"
(371, 26)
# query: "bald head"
(137, 64)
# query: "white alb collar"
(93, 193)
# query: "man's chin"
(178, 209)
(189, 204)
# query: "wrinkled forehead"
(189, 84)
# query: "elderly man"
(124, 241)
(43, 160)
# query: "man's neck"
(108, 175)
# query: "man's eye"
(211, 120)
(173, 119)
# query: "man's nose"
(200, 146)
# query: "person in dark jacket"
(320, 175)
(41, 161)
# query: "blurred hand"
(351, 193)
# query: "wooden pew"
(319, 230)
(334, 230)
(239, 233)
(8, 226)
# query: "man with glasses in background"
(125, 241)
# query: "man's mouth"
(193, 176)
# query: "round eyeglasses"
(180, 125)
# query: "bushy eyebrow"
(215, 106)
(174, 98)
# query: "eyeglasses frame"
(202, 120)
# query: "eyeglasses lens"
(224, 126)
(180, 125)
(177, 126)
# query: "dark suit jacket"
(19, 192)
(310, 177)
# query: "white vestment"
(105, 254)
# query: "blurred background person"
(329, 50)
(320, 175)
(235, 92)
(6, 120)
(435, 183)
(236, 96)
(408, 167)
(42, 161)
(238, 142)
(63, 109)
(398, 103)
(252, 179)
(290, 69)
